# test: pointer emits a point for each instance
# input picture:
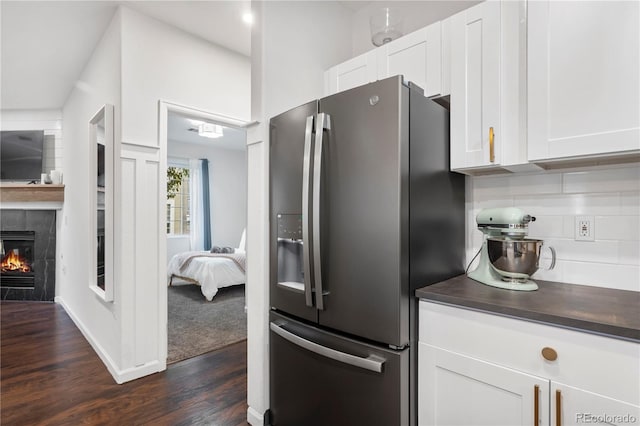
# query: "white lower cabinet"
(482, 369)
(572, 406)
(459, 390)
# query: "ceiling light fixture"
(247, 18)
(208, 130)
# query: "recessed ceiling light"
(247, 18)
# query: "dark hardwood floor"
(50, 375)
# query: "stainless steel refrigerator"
(363, 210)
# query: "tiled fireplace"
(27, 254)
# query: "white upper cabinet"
(416, 56)
(445, 55)
(583, 79)
(475, 87)
(355, 72)
(488, 87)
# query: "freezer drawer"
(320, 378)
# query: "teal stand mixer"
(507, 257)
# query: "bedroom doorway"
(206, 205)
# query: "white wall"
(292, 44)
(228, 191)
(177, 244)
(139, 62)
(298, 38)
(159, 62)
(163, 62)
(610, 194)
(98, 84)
(416, 15)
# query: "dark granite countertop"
(604, 311)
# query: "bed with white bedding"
(210, 271)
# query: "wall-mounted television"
(21, 154)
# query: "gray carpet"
(197, 326)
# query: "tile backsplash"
(610, 194)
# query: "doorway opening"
(205, 215)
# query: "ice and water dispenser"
(290, 245)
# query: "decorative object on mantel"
(56, 177)
(386, 25)
(20, 192)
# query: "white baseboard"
(139, 371)
(254, 418)
(120, 376)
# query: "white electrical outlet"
(584, 228)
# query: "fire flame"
(15, 263)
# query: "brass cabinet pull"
(492, 153)
(536, 405)
(549, 354)
(558, 408)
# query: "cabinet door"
(352, 73)
(572, 406)
(583, 85)
(458, 390)
(416, 56)
(445, 38)
(475, 86)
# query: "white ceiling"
(219, 22)
(46, 44)
(354, 5)
(178, 131)
(44, 47)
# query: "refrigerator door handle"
(371, 363)
(324, 123)
(306, 246)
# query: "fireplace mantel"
(23, 193)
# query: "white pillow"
(243, 240)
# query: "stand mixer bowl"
(515, 260)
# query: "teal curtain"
(206, 203)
